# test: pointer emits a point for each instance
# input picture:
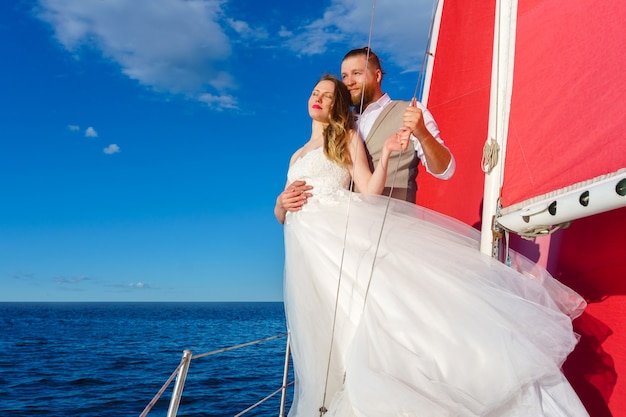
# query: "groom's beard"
(367, 97)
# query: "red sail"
(566, 126)
(567, 121)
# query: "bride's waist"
(320, 191)
(325, 196)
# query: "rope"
(380, 235)
(322, 408)
(491, 151)
(538, 231)
(417, 84)
(427, 53)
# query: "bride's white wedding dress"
(420, 323)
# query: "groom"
(378, 117)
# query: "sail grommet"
(620, 188)
(584, 199)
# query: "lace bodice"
(326, 177)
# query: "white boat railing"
(180, 373)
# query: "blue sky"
(144, 142)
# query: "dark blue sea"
(111, 359)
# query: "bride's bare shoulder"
(295, 156)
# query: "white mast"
(499, 110)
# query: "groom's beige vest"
(388, 123)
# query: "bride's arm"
(293, 197)
(374, 182)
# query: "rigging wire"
(422, 74)
(420, 80)
(322, 408)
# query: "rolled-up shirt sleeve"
(432, 127)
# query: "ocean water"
(111, 359)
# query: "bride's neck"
(317, 131)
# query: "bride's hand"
(399, 141)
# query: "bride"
(391, 308)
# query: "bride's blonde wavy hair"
(341, 123)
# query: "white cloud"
(186, 46)
(399, 31)
(218, 102)
(73, 128)
(245, 31)
(111, 149)
(70, 280)
(22, 276)
(138, 285)
(90, 132)
(284, 32)
(175, 46)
